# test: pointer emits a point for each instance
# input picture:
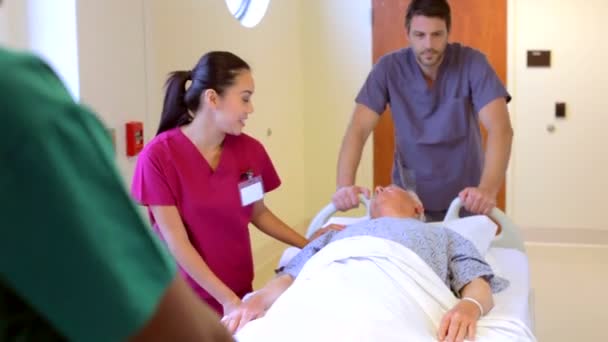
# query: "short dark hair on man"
(429, 8)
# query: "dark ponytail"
(215, 70)
(175, 113)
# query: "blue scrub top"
(438, 149)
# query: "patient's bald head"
(393, 201)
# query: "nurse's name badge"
(251, 189)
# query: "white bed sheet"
(510, 304)
(508, 263)
(512, 264)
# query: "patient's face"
(393, 201)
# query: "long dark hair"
(215, 70)
(429, 8)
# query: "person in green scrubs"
(77, 261)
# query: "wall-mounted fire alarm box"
(135, 137)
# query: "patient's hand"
(459, 323)
(335, 227)
(250, 309)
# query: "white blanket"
(368, 289)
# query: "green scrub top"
(77, 262)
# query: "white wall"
(559, 179)
(337, 51)
(52, 35)
(47, 29)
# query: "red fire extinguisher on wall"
(134, 137)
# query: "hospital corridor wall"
(308, 57)
(558, 182)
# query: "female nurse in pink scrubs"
(202, 179)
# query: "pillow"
(478, 229)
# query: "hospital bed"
(506, 255)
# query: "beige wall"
(179, 32)
(309, 59)
(304, 96)
(112, 66)
(14, 24)
(558, 180)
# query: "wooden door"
(481, 24)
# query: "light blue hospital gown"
(453, 258)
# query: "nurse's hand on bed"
(347, 197)
(478, 200)
(333, 226)
(459, 323)
(230, 306)
(249, 309)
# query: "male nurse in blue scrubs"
(438, 92)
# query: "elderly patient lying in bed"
(394, 214)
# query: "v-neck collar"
(421, 78)
(204, 162)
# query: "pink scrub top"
(171, 171)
